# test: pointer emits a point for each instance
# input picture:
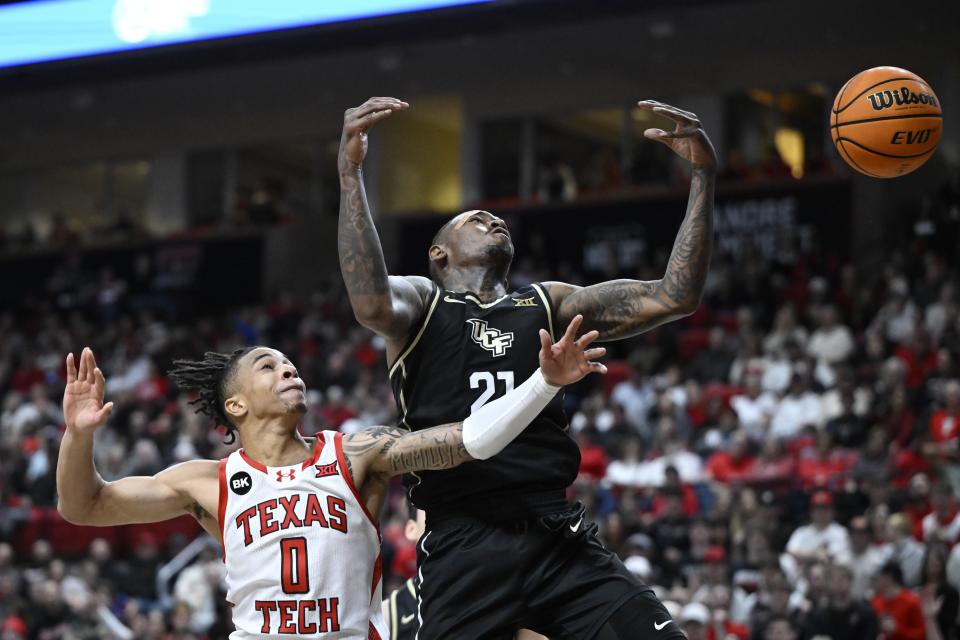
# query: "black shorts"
(482, 580)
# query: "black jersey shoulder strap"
(416, 332)
(547, 304)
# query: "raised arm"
(387, 451)
(624, 308)
(386, 304)
(85, 498)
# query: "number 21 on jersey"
(485, 380)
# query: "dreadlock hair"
(209, 378)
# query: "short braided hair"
(209, 378)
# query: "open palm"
(83, 408)
(568, 360)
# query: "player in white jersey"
(297, 517)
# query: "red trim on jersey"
(348, 478)
(253, 463)
(317, 450)
(222, 505)
(377, 574)
(372, 633)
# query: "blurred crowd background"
(783, 464)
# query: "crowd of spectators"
(785, 463)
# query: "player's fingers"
(571, 333)
(587, 338)
(82, 374)
(99, 381)
(597, 367)
(376, 104)
(71, 368)
(678, 116)
(659, 134)
(372, 118)
(105, 412)
(596, 352)
(91, 366)
(545, 341)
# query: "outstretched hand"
(569, 360)
(688, 139)
(357, 123)
(83, 408)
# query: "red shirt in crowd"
(907, 613)
(919, 366)
(724, 467)
(945, 427)
(690, 503)
(730, 629)
(593, 461)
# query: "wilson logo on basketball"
(886, 99)
(490, 338)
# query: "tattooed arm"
(386, 304)
(624, 308)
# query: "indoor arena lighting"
(47, 30)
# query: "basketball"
(886, 122)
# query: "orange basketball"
(886, 122)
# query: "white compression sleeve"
(494, 425)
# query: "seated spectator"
(713, 363)
(799, 408)
(898, 610)
(844, 614)
(672, 481)
(637, 397)
(775, 600)
(866, 556)
(905, 550)
(733, 464)
(774, 465)
(785, 329)
(625, 470)
(847, 428)
(754, 407)
(945, 433)
(823, 540)
(832, 342)
(935, 588)
(593, 459)
(781, 628)
(942, 525)
(919, 357)
(695, 621)
(824, 466)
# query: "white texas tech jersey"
(301, 550)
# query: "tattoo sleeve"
(361, 256)
(393, 451)
(624, 308)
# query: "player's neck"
(486, 283)
(274, 444)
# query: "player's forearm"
(361, 256)
(78, 482)
(686, 274)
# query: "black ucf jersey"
(402, 612)
(463, 354)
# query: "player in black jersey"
(503, 549)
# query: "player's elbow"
(688, 306)
(72, 514)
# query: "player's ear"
(438, 255)
(235, 406)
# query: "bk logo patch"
(324, 470)
(240, 483)
(490, 338)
